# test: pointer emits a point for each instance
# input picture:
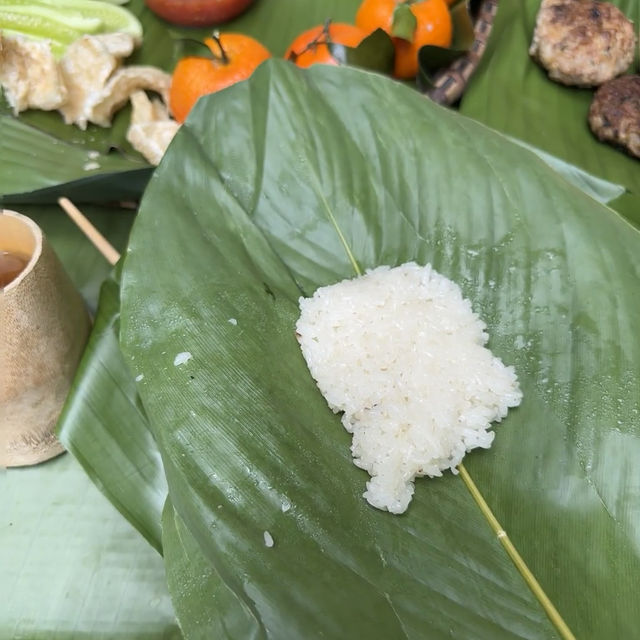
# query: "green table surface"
(70, 565)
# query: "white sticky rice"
(400, 352)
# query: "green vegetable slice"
(49, 15)
(57, 48)
(113, 17)
(67, 20)
(31, 23)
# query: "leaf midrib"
(501, 534)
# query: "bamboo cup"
(44, 326)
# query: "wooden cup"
(44, 326)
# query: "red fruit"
(198, 13)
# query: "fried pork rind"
(98, 84)
(86, 68)
(151, 129)
(30, 75)
(122, 84)
(89, 84)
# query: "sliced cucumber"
(112, 18)
(57, 48)
(33, 25)
(70, 19)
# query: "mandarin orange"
(235, 57)
(433, 26)
(311, 46)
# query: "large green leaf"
(72, 567)
(202, 592)
(291, 181)
(105, 427)
(511, 93)
(34, 161)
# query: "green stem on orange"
(223, 54)
(324, 37)
(325, 31)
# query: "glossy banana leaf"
(298, 179)
(513, 94)
(599, 189)
(72, 567)
(202, 591)
(104, 424)
(37, 167)
(105, 427)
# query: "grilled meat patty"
(582, 42)
(614, 115)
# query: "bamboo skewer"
(96, 238)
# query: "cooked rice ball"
(582, 42)
(614, 115)
(402, 354)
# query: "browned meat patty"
(582, 42)
(614, 115)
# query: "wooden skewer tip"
(95, 237)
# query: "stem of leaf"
(516, 558)
(324, 37)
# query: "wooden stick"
(98, 240)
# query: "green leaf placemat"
(72, 567)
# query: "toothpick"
(98, 240)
